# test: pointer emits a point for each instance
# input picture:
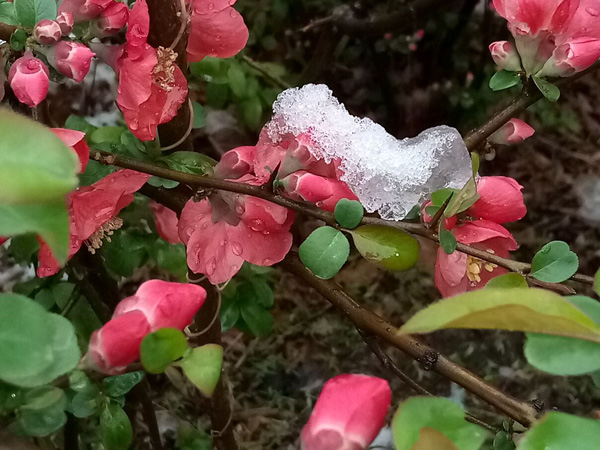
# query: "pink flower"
(65, 21)
(572, 57)
(72, 59)
(225, 230)
(166, 223)
(322, 191)
(111, 20)
(83, 10)
(513, 132)
(117, 344)
(151, 85)
(29, 80)
(505, 56)
(236, 163)
(216, 30)
(92, 215)
(349, 413)
(535, 16)
(47, 32)
(165, 304)
(500, 201)
(75, 140)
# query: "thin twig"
(142, 393)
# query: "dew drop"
(593, 12)
(257, 225)
(211, 267)
(267, 262)
(237, 248)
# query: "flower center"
(94, 242)
(164, 71)
(476, 265)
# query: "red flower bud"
(72, 59)
(47, 32)
(513, 132)
(65, 21)
(28, 78)
(111, 20)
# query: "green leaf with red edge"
(516, 309)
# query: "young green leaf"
(562, 355)
(507, 281)
(430, 438)
(190, 162)
(562, 431)
(8, 14)
(549, 90)
(554, 263)
(199, 116)
(18, 39)
(390, 248)
(43, 412)
(504, 80)
(259, 320)
(439, 414)
(463, 199)
(516, 309)
(118, 385)
(202, 366)
(447, 240)
(325, 251)
(502, 441)
(349, 213)
(439, 197)
(161, 348)
(115, 427)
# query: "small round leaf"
(390, 248)
(325, 251)
(349, 213)
(161, 348)
(554, 263)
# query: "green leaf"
(502, 441)
(430, 438)
(126, 252)
(597, 283)
(50, 221)
(36, 166)
(439, 197)
(78, 123)
(106, 138)
(562, 432)
(554, 263)
(463, 199)
(258, 319)
(190, 162)
(507, 281)
(440, 414)
(210, 69)
(8, 14)
(115, 428)
(325, 251)
(566, 356)
(43, 412)
(230, 313)
(516, 309)
(447, 240)
(504, 80)
(18, 39)
(170, 258)
(237, 80)
(23, 247)
(349, 213)
(202, 366)
(161, 348)
(83, 404)
(251, 110)
(549, 90)
(390, 248)
(118, 385)
(199, 116)
(31, 12)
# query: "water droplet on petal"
(211, 6)
(211, 266)
(257, 225)
(267, 262)
(593, 11)
(237, 248)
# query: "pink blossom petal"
(166, 223)
(501, 200)
(480, 230)
(75, 140)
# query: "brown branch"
(141, 394)
(373, 324)
(6, 31)
(308, 209)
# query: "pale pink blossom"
(29, 80)
(513, 132)
(348, 415)
(216, 30)
(47, 32)
(505, 55)
(65, 21)
(166, 223)
(72, 59)
(76, 141)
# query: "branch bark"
(429, 357)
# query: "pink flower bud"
(348, 414)
(236, 163)
(75, 140)
(47, 32)
(72, 59)
(164, 304)
(111, 20)
(28, 78)
(66, 22)
(324, 192)
(513, 132)
(166, 223)
(572, 57)
(505, 56)
(83, 10)
(117, 344)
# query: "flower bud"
(72, 59)
(324, 192)
(75, 140)
(29, 80)
(47, 32)
(505, 56)
(83, 10)
(572, 57)
(66, 22)
(111, 20)
(349, 413)
(513, 132)
(236, 163)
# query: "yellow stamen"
(475, 266)
(164, 71)
(94, 242)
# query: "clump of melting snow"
(387, 175)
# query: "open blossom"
(156, 304)
(72, 59)
(151, 85)
(500, 201)
(47, 32)
(349, 413)
(92, 215)
(216, 30)
(29, 80)
(512, 132)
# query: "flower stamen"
(94, 242)
(164, 71)
(475, 267)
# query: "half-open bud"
(572, 57)
(322, 191)
(72, 59)
(505, 56)
(513, 132)
(111, 20)
(29, 80)
(47, 32)
(65, 21)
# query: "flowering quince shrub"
(144, 252)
